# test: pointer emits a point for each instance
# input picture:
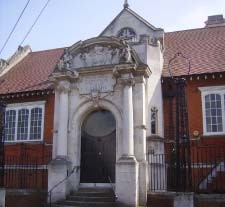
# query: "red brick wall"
(36, 148)
(195, 107)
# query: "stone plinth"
(57, 173)
(127, 182)
(2, 197)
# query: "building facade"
(98, 107)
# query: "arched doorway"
(98, 147)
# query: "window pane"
(99, 123)
(127, 34)
(154, 120)
(10, 123)
(36, 123)
(213, 112)
(22, 127)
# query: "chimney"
(215, 20)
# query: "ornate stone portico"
(100, 73)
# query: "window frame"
(220, 90)
(29, 106)
(155, 110)
(129, 39)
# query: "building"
(98, 106)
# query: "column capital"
(127, 81)
(140, 79)
(63, 86)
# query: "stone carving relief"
(101, 55)
(65, 63)
(125, 54)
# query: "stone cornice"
(124, 69)
(64, 75)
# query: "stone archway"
(98, 147)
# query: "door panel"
(98, 157)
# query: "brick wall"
(37, 148)
(195, 107)
(30, 159)
(168, 199)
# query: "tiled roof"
(204, 47)
(31, 73)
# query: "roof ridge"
(46, 50)
(202, 28)
(142, 19)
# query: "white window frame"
(29, 106)
(207, 91)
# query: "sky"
(64, 22)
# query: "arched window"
(128, 34)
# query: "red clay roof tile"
(31, 73)
(204, 47)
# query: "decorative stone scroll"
(96, 83)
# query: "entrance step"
(89, 197)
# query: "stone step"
(91, 198)
(85, 204)
(92, 194)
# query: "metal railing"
(207, 171)
(26, 166)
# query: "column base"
(127, 181)
(143, 180)
(57, 172)
(2, 197)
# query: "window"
(213, 109)
(128, 34)
(24, 122)
(154, 120)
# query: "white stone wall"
(126, 19)
(154, 87)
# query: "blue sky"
(65, 22)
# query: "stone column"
(128, 120)
(140, 136)
(127, 166)
(63, 88)
(58, 168)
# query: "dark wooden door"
(98, 156)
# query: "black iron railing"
(27, 169)
(207, 170)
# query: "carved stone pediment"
(95, 52)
